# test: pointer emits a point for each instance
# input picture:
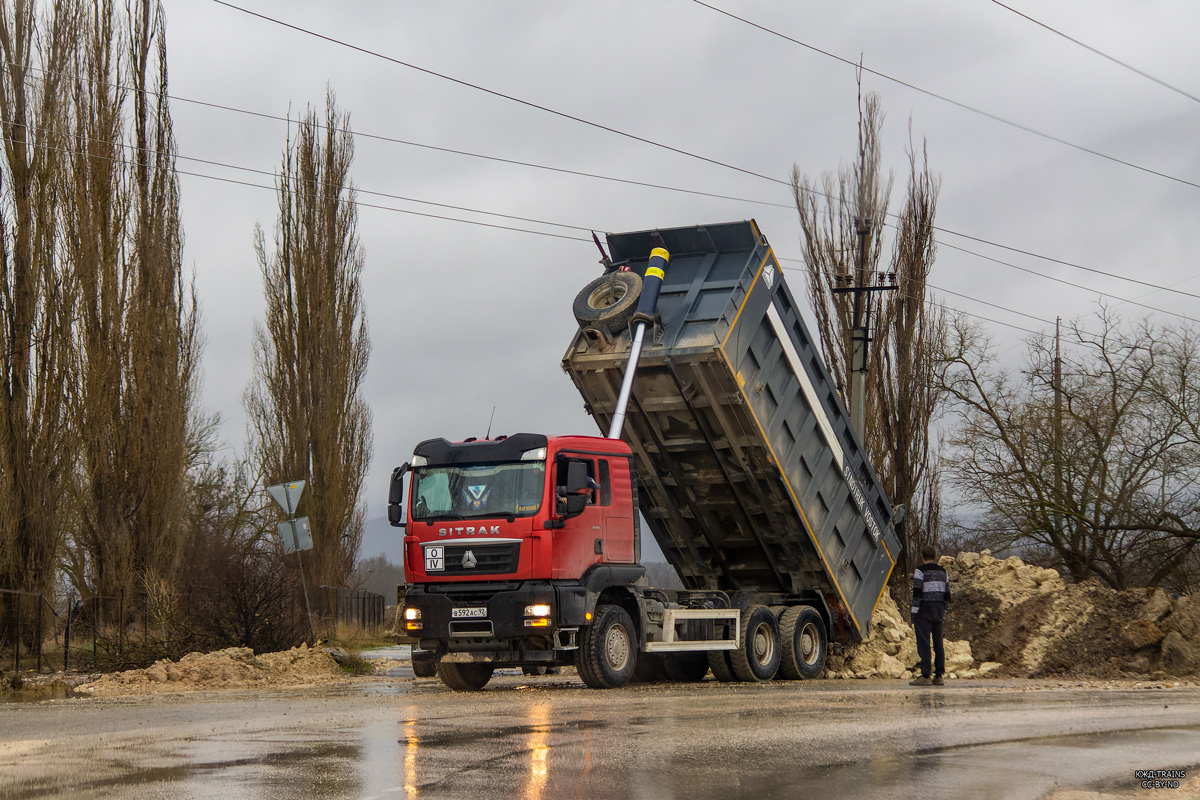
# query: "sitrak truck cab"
(724, 431)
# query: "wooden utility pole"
(862, 285)
(1058, 488)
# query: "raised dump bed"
(750, 475)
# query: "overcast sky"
(465, 317)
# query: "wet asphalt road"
(549, 737)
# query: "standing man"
(931, 595)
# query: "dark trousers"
(927, 627)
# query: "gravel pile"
(232, 668)
(1012, 619)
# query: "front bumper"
(491, 620)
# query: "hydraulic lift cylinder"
(656, 270)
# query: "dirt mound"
(891, 651)
(1013, 619)
(233, 668)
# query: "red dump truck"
(724, 432)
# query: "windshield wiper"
(429, 519)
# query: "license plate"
(468, 613)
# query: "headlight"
(412, 613)
(537, 610)
(538, 454)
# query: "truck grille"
(489, 559)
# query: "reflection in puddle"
(410, 753)
(539, 751)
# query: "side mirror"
(899, 516)
(576, 504)
(396, 496)
(396, 490)
(576, 478)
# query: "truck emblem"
(468, 560)
(476, 497)
(769, 276)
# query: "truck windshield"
(492, 490)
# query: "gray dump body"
(750, 474)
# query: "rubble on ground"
(232, 668)
(1012, 619)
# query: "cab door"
(616, 506)
(580, 542)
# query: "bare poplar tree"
(305, 403)
(829, 212)
(906, 396)
(843, 219)
(36, 293)
(138, 334)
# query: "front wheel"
(607, 656)
(464, 677)
(423, 665)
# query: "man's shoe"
(921, 681)
(938, 680)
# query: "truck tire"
(423, 665)
(609, 300)
(757, 657)
(718, 662)
(803, 643)
(686, 667)
(607, 656)
(464, 677)
(533, 671)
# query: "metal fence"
(119, 632)
(349, 607)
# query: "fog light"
(412, 626)
(412, 613)
(538, 610)
(537, 623)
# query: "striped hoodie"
(931, 590)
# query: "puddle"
(36, 694)
(400, 652)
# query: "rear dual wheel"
(757, 655)
(804, 643)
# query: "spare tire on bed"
(609, 301)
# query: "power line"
(1101, 53)
(943, 98)
(484, 156)
(1055, 261)
(609, 129)
(1069, 283)
(361, 204)
(494, 93)
(1029, 253)
(357, 203)
(944, 307)
(125, 162)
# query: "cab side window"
(605, 484)
(560, 480)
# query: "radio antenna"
(490, 419)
